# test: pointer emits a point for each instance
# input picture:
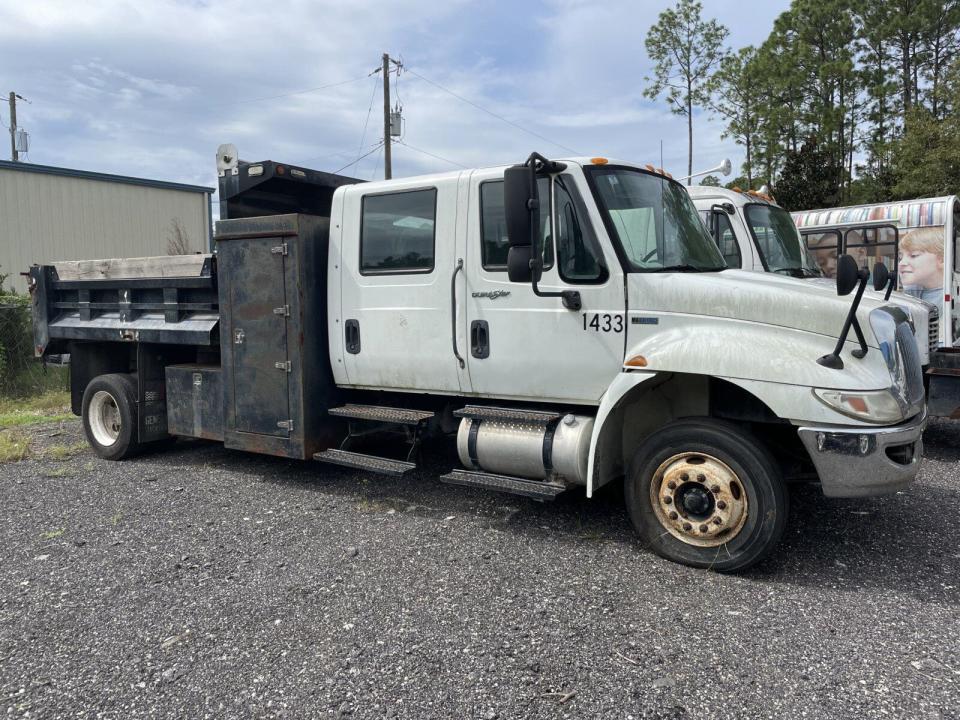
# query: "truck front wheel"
(705, 493)
(110, 416)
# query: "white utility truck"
(571, 322)
(754, 233)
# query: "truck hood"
(753, 297)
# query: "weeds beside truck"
(570, 322)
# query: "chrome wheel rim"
(698, 499)
(104, 417)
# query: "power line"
(490, 112)
(376, 147)
(438, 157)
(373, 95)
(297, 92)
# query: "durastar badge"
(492, 294)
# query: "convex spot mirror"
(881, 276)
(522, 209)
(847, 275)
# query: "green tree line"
(846, 101)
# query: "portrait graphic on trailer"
(921, 264)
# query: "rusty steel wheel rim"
(698, 499)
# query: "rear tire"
(109, 414)
(705, 493)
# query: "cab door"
(398, 298)
(525, 347)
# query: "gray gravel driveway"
(202, 582)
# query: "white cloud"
(151, 88)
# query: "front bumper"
(863, 461)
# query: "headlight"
(878, 406)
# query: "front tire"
(109, 414)
(705, 493)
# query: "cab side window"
(494, 244)
(578, 253)
(397, 232)
(723, 235)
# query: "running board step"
(536, 489)
(486, 412)
(376, 413)
(359, 461)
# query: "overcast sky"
(150, 88)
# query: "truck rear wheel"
(707, 494)
(109, 414)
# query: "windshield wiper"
(690, 268)
(791, 271)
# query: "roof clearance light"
(297, 173)
(281, 170)
(255, 170)
(599, 161)
(650, 167)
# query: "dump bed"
(169, 300)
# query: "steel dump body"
(235, 342)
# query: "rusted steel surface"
(195, 401)
(277, 379)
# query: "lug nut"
(703, 528)
(687, 526)
(715, 489)
(701, 477)
(667, 499)
(672, 485)
(717, 521)
(721, 505)
(684, 477)
(673, 515)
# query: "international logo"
(492, 294)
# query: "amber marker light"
(636, 361)
(599, 161)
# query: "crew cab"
(571, 323)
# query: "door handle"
(351, 334)
(453, 311)
(480, 339)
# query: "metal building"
(51, 213)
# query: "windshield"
(654, 221)
(779, 242)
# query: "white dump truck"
(571, 323)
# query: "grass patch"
(13, 447)
(48, 407)
(62, 452)
(52, 534)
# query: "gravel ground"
(202, 582)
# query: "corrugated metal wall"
(46, 217)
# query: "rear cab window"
(398, 232)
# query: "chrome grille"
(933, 331)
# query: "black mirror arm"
(833, 359)
(891, 284)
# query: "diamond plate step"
(359, 461)
(400, 416)
(536, 489)
(485, 412)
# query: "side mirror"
(848, 274)
(881, 276)
(522, 209)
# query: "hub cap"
(698, 499)
(104, 418)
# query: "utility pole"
(14, 155)
(387, 165)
